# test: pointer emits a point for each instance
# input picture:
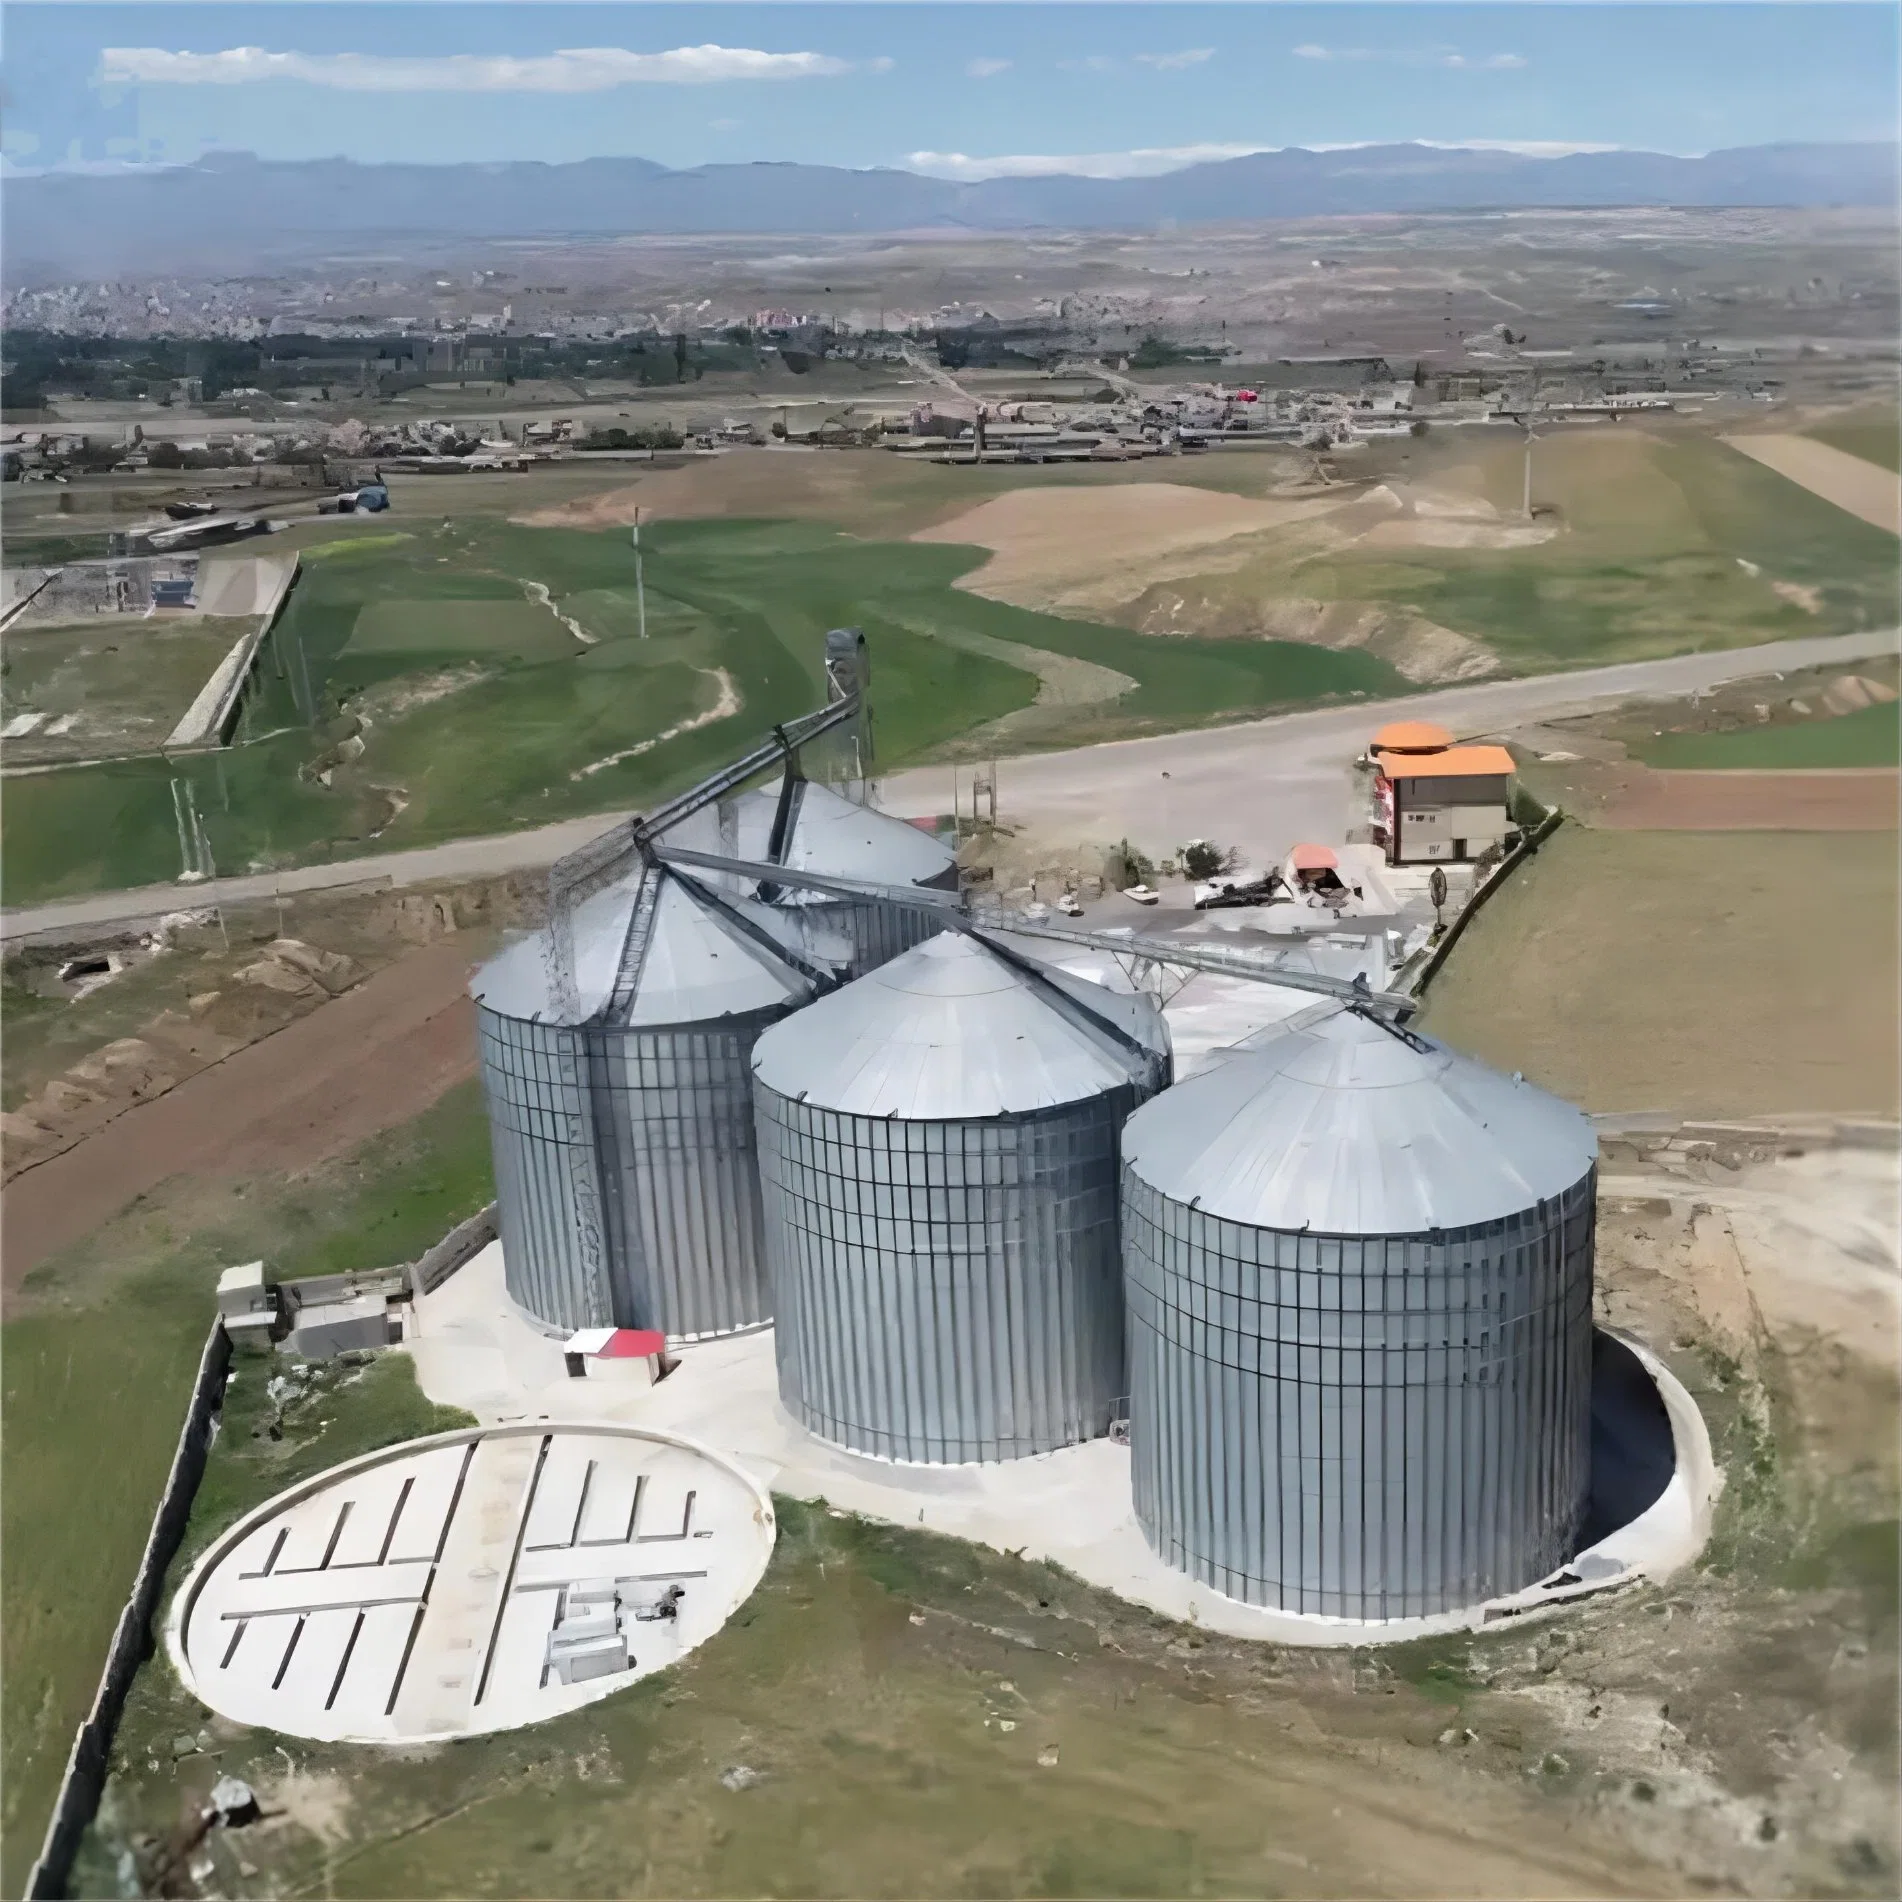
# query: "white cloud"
(1175, 62)
(1153, 161)
(572, 70)
(1092, 63)
(1415, 56)
(1144, 162)
(987, 68)
(1522, 148)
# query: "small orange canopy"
(1313, 858)
(1459, 762)
(1412, 736)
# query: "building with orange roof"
(1454, 803)
(1412, 736)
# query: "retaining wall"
(1528, 844)
(91, 1756)
(90, 1759)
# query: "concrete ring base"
(470, 1582)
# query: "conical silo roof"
(951, 1029)
(836, 838)
(700, 964)
(1343, 1126)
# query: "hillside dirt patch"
(1045, 542)
(351, 1067)
(748, 484)
(1863, 489)
(1420, 650)
(1168, 560)
(189, 993)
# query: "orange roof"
(1412, 736)
(1313, 858)
(1459, 762)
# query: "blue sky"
(964, 89)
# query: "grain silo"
(627, 1180)
(938, 1156)
(1359, 1277)
(807, 827)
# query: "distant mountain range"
(232, 210)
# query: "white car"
(1142, 894)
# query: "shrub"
(1124, 866)
(1200, 859)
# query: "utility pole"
(640, 586)
(1530, 440)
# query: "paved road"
(465, 858)
(1271, 784)
(1262, 786)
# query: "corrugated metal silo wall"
(547, 1192)
(681, 1169)
(946, 1291)
(877, 933)
(1366, 1428)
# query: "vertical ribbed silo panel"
(682, 1153)
(876, 933)
(964, 1303)
(547, 1199)
(1382, 1427)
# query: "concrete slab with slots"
(410, 1595)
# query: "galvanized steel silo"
(810, 828)
(1359, 1276)
(938, 1155)
(627, 1181)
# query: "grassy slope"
(97, 1368)
(1685, 972)
(1871, 434)
(753, 599)
(1655, 529)
(1868, 737)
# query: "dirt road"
(372, 1059)
(1263, 785)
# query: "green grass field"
(1871, 736)
(1591, 971)
(114, 684)
(97, 1366)
(516, 632)
(417, 690)
(478, 711)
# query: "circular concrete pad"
(471, 1582)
